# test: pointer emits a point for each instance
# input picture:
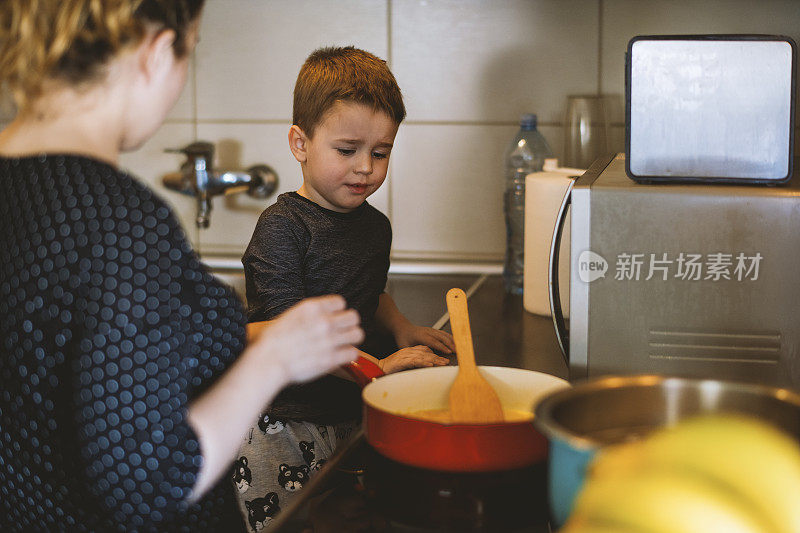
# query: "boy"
(325, 238)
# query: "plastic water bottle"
(524, 155)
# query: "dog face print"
(242, 477)
(271, 425)
(307, 449)
(292, 478)
(262, 510)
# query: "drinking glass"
(586, 135)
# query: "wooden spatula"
(472, 399)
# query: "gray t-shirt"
(300, 249)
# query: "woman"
(125, 387)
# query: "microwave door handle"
(553, 293)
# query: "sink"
(420, 297)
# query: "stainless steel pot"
(580, 420)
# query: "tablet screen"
(710, 108)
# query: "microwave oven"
(688, 280)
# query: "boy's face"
(348, 157)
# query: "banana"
(583, 527)
(742, 456)
(660, 501)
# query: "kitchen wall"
(467, 68)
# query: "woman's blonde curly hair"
(72, 40)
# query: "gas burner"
(415, 499)
(361, 491)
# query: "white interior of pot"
(428, 388)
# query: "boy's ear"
(298, 142)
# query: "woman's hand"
(412, 357)
(306, 341)
(411, 335)
(313, 337)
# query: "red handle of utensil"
(363, 371)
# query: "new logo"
(591, 266)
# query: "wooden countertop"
(504, 334)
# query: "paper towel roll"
(544, 192)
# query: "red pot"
(451, 447)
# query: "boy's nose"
(364, 164)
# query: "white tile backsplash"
(624, 19)
(467, 69)
(617, 138)
(251, 50)
(447, 191)
(473, 60)
(239, 146)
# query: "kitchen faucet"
(197, 178)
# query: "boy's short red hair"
(346, 74)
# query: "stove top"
(367, 492)
(512, 500)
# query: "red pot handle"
(363, 371)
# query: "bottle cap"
(527, 121)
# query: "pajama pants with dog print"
(278, 457)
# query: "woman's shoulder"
(95, 198)
(78, 175)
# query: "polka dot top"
(109, 327)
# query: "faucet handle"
(264, 181)
(197, 178)
(195, 150)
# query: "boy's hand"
(412, 357)
(436, 339)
